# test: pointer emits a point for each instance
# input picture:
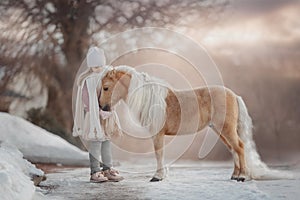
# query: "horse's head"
(114, 88)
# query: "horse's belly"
(187, 123)
(186, 114)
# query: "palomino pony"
(162, 109)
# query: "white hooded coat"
(87, 121)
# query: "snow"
(15, 173)
(19, 138)
(37, 144)
(185, 180)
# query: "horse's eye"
(105, 89)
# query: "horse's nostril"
(106, 108)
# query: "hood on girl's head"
(95, 57)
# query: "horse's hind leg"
(236, 169)
(158, 141)
(238, 149)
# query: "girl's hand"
(105, 114)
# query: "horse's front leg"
(158, 141)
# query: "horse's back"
(189, 111)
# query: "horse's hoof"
(154, 179)
(241, 179)
(234, 178)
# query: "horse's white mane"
(146, 98)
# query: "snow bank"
(15, 173)
(37, 144)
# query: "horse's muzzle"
(106, 108)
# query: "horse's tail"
(256, 168)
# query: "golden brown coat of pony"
(189, 111)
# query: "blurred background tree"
(49, 38)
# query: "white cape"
(87, 124)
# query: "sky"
(255, 22)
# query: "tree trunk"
(74, 23)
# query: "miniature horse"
(165, 111)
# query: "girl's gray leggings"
(97, 148)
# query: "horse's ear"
(112, 73)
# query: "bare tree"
(50, 37)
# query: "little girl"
(91, 123)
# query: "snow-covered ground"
(37, 144)
(15, 175)
(186, 180)
(19, 138)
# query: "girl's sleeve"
(85, 97)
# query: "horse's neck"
(125, 82)
(147, 99)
